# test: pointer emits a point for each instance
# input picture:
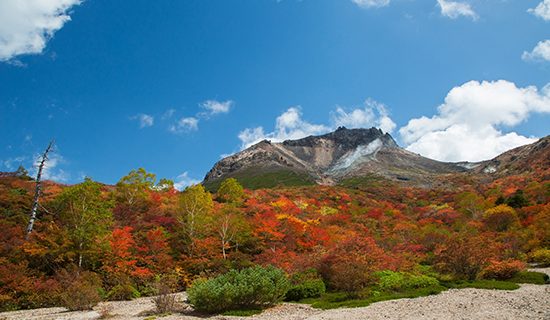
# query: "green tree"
(165, 185)
(470, 204)
(230, 191)
(230, 227)
(132, 188)
(85, 214)
(517, 200)
(195, 207)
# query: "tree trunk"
(38, 190)
(80, 255)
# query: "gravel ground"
(528, 302)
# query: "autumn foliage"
(115, 242)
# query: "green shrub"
(421, 281)
(340, 300)
(250, 288)
(399, 281)
(482, 284)
(390, 281)
(306, 289)
(307, 284)
(540, 257)
(123, 292)
(530, 277)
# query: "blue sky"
(173, 85)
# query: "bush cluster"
(540, 257)
(79, 290)
(122, 292)
(399, 281)
(351, 265)
(530, 277)
(502, 270)
(255, 287)
(304, 285)
(464, 257)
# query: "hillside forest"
(115, 242)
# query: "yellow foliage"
(328, 211)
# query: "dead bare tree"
(38, 189)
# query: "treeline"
(101, 242)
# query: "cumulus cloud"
(145, 120)
(51, 170)
(542, 10)
(210, 107)
(454, 9)
(467, 125)
(214, 107)
(290, 124)
(184, 180)
(541, 52)
(185, 125)
(371, 3)
(251, 136)
(373, 114)
(27, 25)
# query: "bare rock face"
(351, 153)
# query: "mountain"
(328, 159)
(529, 159)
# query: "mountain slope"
(531, 158)
(327, 159)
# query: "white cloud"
(290, 125)
(466, 127)
(250, 136)
(168, 114)
(541, 52)
(371, 3)
(373, 114)
(185, 125)
(11, 164)
(454, 9)
(145, 120)
(51, 170)
(542, 10)
(214, 107)
(210, 107)
(183, 180)
(27, 25)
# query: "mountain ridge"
(330, 158)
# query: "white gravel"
(528, 302)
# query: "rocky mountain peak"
(347, 154)
(345, 139)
